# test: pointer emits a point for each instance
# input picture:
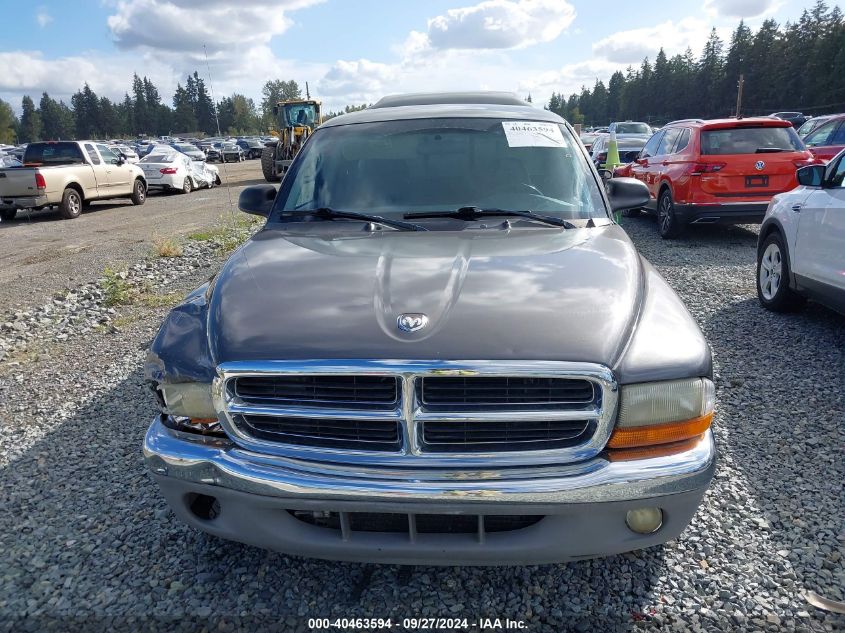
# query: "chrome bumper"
(205, 461)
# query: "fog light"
(644, 520)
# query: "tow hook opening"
(203, 507)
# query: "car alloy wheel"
(771, 271)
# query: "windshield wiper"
(326, 213)
(770, 150)
(470, 214)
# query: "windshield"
(158, 158)
(395, 167)
(632, 128)
(300, 114)
(186, 148)
(747, 140)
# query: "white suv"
(801, 250)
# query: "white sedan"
(801, 250)
(174, 171)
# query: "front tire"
(71, 206)
(668, 224)
(773, 275)
(268, 165)
(139, 192)
(7, 215)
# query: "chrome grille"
(419, 413)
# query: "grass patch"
(228, 233)
(167, 247)
(125, 321)
(116, 290)
(154, 300)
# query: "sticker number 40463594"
(533, 134)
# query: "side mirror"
(275, 110)
(627, 193)
(811, 175)
(257, 200)
(605, 174)
(121, 159)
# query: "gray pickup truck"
(68, 175)
(440, 349)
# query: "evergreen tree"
(57, 119)
(86, 111)
(184, 119)
(30, 125)
(8, 123)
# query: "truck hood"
(523, 294)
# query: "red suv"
(827, 140)
(718, 171)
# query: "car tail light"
(168, 170)
(40, 183)
(707, 168)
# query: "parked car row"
(69, 175)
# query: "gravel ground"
(42, 254)
(88, 543)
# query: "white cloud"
(568, 79)
(740, 8)
(28, 72)
(630, 47)
(494, 24)
(190, 25)
(43, 17)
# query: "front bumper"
(727, 213)
(584, 505)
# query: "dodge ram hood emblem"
(759, 165)
(412, 322)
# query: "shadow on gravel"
(724, 242)
(781, 399)
(85, 534)
(52, 215)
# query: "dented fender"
(180, 351)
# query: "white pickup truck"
(68, 175)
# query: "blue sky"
(351, 51)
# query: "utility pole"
(307, 92)
(739, 95)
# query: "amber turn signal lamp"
(204, 420)
(633, 436)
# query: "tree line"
(794, 67)
(143, 113)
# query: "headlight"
(661, 412)
(189, 399)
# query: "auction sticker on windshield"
(533, 134)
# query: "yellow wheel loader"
(296, 120)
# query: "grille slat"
(467, 436)
(348, 391)
(512, 392)
(350, 434)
